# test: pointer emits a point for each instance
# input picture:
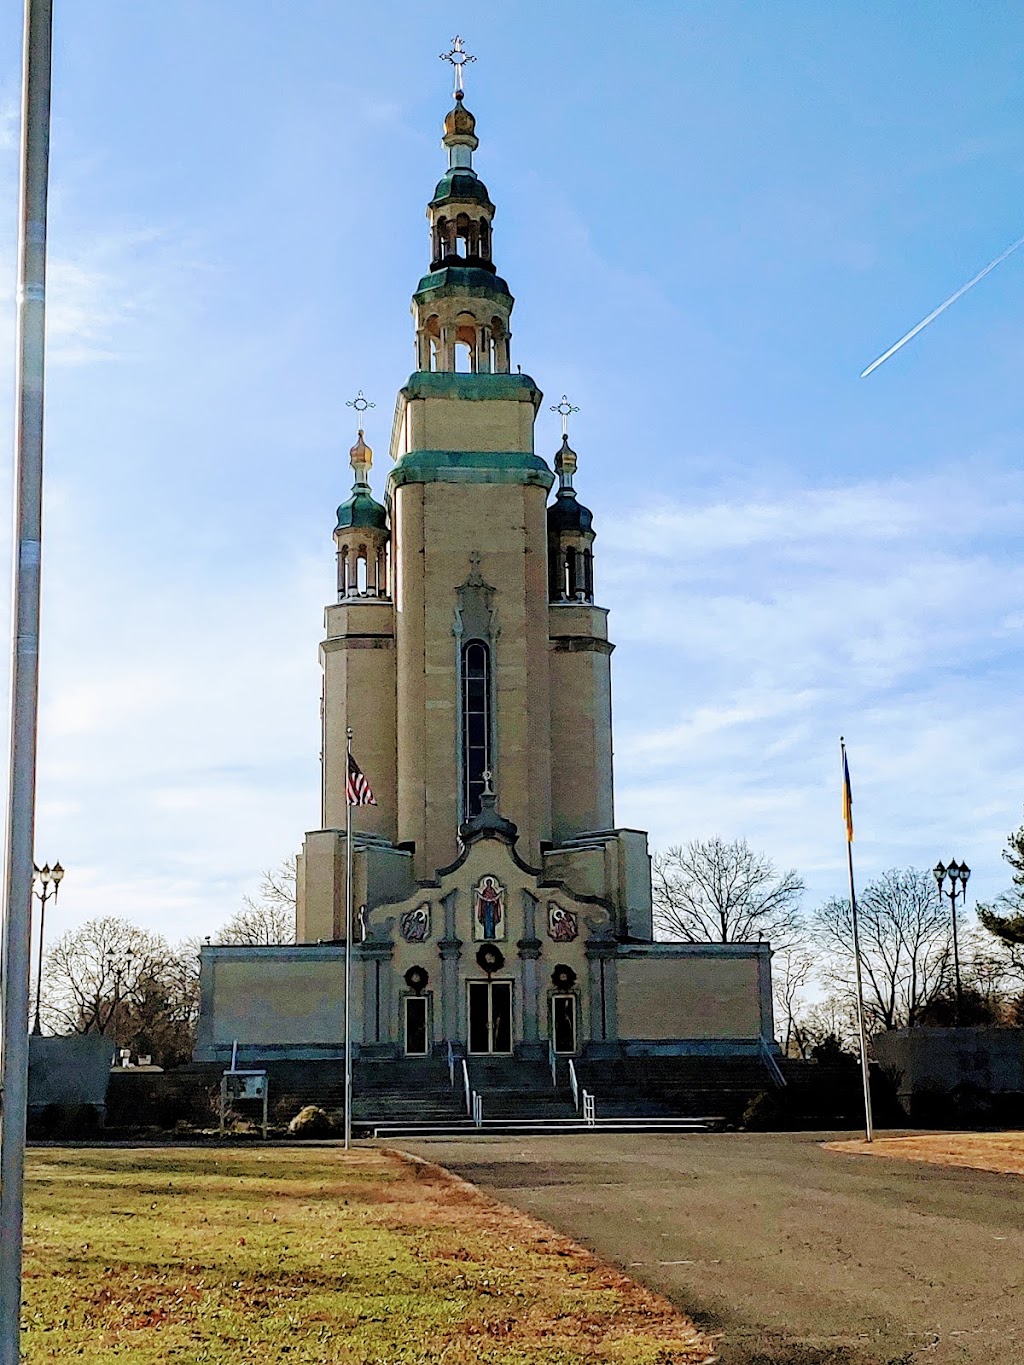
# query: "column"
(529, 948)
(450, 950)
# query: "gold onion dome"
(459, 122)
(361, 455)
(361, 510)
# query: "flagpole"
(348, 944)
(24, 701)
(869, 1133)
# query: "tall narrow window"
(476, 723)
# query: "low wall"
(938, 1060)
(705, 996)
(68, 1071)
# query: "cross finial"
(487, 776)
(459, 57)
(566, 409)
(360, 404)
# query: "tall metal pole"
(37, 1025)
(956, 946)
(28, 486)
(348, 946)
(869, 1127)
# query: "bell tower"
(467, 498)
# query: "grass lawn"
(1002, 1152)
(313, 1255)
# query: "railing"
(770, 1062)
(574, 1082)
(553, 1062)
(588, 1109)
(451, 1065)
(465, 1084)
(478, 1109)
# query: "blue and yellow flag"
(847, 799)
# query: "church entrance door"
(490, 1017)
(416, 1030)
(563, 1022)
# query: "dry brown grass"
(1001, 1152)
(315, 1257)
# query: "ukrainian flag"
(847, 799)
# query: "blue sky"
(713, 216)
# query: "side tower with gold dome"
(500, 910)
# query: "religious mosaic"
(415, 924)
(563, 925)
(489, 910)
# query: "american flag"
(357, 789)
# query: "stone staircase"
(714, 1089)
(414, 1097)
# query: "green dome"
(567, 513)
(362, 511)
(460, 184)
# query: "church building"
(499, 909)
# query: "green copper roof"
(567, 513)
(470, 466)
(473, 388)
(462, 279)
(462, 185)
(362, 511)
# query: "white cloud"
(775, 620)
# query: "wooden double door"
(489, 1008)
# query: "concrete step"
(542, 1128)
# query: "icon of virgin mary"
(489, 910)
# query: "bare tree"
(111, 977)
(905, 941)
(270, 918)
(828, 1028)
(792, 970)
(711, 891)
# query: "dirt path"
(800, 1255)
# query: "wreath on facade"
(416, 978)
(489, 958)
(563, 978)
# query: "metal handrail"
(478, 1109)
(451, 1066)
(771, 1063)
(574, 1082)
(553, 1062)
(465, 1083)
(588, 1109)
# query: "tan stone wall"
(688, 997)
(505, 524)
(360, 690)
(266, 1002)
(453, 423)
(320, 878)
(581, 722)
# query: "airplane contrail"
(942, 308)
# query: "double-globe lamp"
(957, 874)
(49, 879)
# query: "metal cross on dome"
(459, 57)
(566, 409)
(360, 403)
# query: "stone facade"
(499, 908)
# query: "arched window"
(476, 723)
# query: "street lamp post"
(957, 874)
(50, 879)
